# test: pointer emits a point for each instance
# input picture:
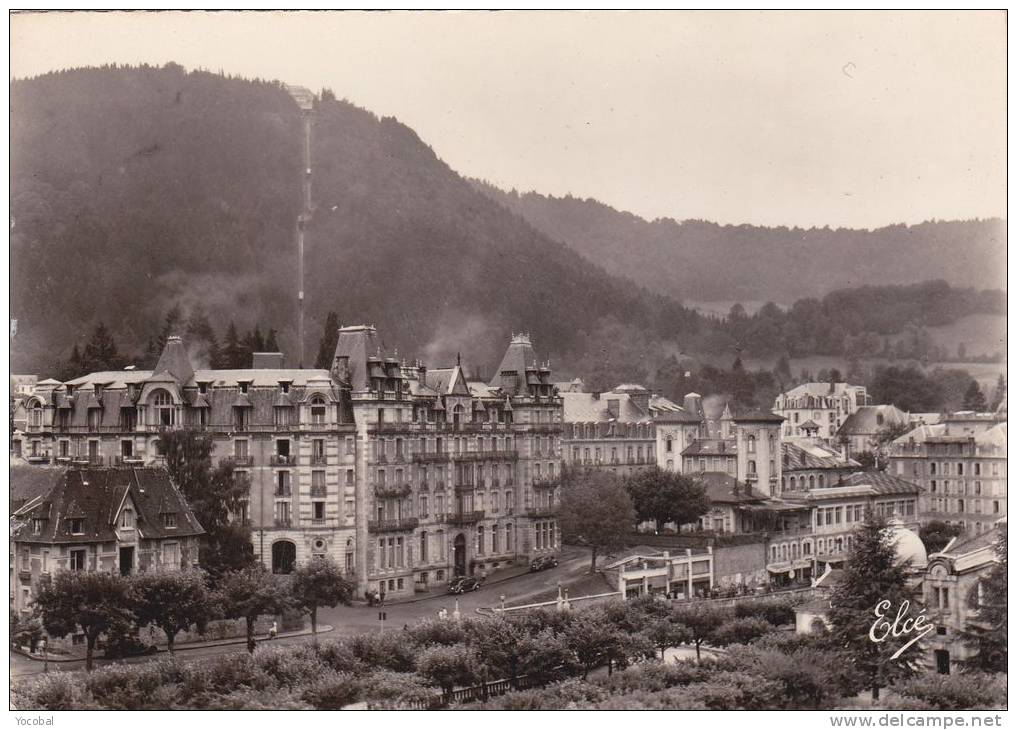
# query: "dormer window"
(77, 525)
(169, 520)
(37, 526)
(318, 410)
(203, 388)
(165, 411)
(284, 385)
(127, 519)
(244, 384)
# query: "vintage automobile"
(543, 563)
(465, 583)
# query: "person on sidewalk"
(274, 631)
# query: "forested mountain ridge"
(702, 261)
(135, 189)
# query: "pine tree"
(974, 399)
(873, 576)
(999, 393)
(200, 334)
(986, 635)
(232, 351)
(327, 343)
(257, 341)
(101, 351)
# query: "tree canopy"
(595, 511)
(664, 496)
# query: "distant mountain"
(137, 188)
(701, 261)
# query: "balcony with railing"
(545, 428)
(283, 521)
(546, 484)
(394, 427)
(465, 518)
(392, 491)
(319, 491)
(134, 460)
(321, 523)
(319, 460)
(550, 510)
(431, 457)
(282, 460)
(405, 524)
(236, 460)
(486, 456)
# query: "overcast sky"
(845, 119)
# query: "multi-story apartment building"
(456, 476)
(825, 405)
(288, 432)
(404, 476)
(961, 468)
(626, 430)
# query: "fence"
(485, 691)
(549, 604)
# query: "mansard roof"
(803, 454)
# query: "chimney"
(693, 403)
(267, 360)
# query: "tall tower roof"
(174, 360)
(511, 374)
(355, 344)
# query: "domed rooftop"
(907, 544)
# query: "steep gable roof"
(96, 496)
(29, 484)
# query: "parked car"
(465, 583)
(543, 563)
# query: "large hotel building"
(405, 476)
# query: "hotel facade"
(405, 476)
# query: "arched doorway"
(459, 554)
(284, 556)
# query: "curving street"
(360, 618)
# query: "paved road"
(361, 618)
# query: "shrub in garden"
(339, 656)
(332, 692)
(957, 691)
(135, 686)
(446, 633)
(387, 690)
(57, 691)
(203, 681)
(290, 666)
(393, 651)
(570, 694)
(655, 676)
(740, 631)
